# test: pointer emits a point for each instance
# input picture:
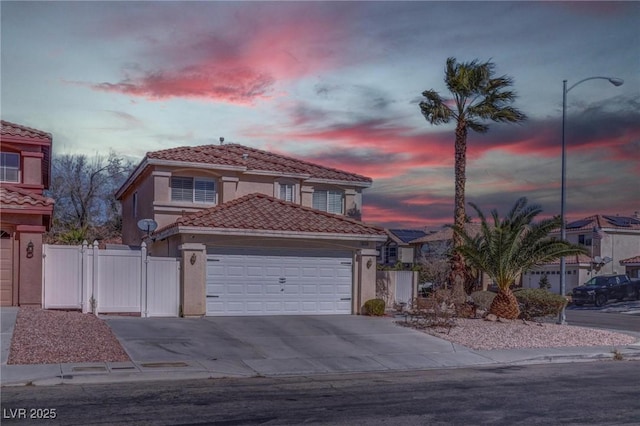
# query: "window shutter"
(320, 200)
(205, 191)
(334, 202)
(286, 192)
(182, 189)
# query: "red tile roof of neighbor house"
(635, 259)
(261, 212)
(604, 221)
(12, 196)
(12, 129)
(574, 259)
(253, 159)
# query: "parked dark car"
(599, 290)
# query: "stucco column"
(306, 196)
(229, 188)
(366, 277)
(30, 265)
(193, 279)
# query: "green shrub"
(483, 299)
(374, 307)
(535, 303)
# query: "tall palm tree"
(478, 96)
(507, 247)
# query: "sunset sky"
(338, 83)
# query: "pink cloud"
(239, 64)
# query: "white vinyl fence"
(110, 281)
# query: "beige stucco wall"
(32, 168)
(30, 269)
(154, 195)
(193, 277)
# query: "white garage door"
(278, 282)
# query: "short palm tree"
(507, 247)
(478, 96)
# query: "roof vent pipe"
(245, 156)
(221, 140)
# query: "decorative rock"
(503, 320)
(491, 318)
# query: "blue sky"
(338, 83)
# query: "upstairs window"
(9, 167)
(328, 201)
(286, 192)
(584, 240)
(193, 190)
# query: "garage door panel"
(254, 289)
(279, 283)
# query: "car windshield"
(596, 281)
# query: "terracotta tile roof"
(604, 221)
(446, 234)
(264, 213)
(572, 260)
(12, 196)
(631, 260)
(253, 159)
(12, 129)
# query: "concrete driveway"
(286, 345)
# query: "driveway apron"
(285, 345)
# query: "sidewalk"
(444, 355)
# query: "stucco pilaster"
(193, 279)
(229, 188)
(30, 268)
(365, 278)
(306, 195)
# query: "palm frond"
(508, 246)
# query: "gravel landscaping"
(517, 334)
(51, 337)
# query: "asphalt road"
(606, 320)
(602, 393)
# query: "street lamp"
(563, 230)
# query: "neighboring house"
(397, 248)
(258, 233)
(436, 245)
(632, 266)
(25, 169)
(609, 240)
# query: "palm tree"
(477, 96)
(505, 248)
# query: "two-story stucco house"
(258, 233)
(609, 240)
(25, 168)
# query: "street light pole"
(563, 229)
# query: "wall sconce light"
(369, 263)
(193, 259)
(30, 250)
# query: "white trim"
(339, 182)
(267, 233)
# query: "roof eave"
(268, 233)
(363, 184)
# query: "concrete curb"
(105, 373)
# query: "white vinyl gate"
(110, 281)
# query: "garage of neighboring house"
(265, 256)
